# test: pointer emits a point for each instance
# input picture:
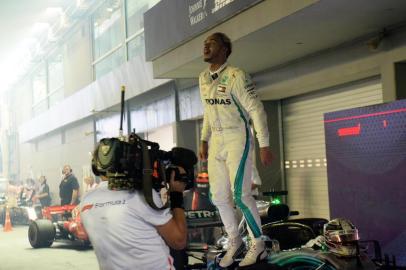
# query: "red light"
(402, 110)
(349, 131)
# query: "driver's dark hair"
(225, 40)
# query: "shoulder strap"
(147, 179)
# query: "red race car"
(58, 222)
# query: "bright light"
(276, 201)
(56, 14)
(81, 4)
(51, 37)
(18, 62)
(52, 12)
(40, 28)
(64, 20)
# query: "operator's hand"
(203, 150)
(174, 185)
(265, 155)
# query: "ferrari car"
(58, 223)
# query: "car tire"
(86, 244)
(41, 233)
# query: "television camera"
(136, 164)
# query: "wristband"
(176, 198)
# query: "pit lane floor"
(17, 253)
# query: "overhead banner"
(172, 22)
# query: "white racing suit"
(229, 102)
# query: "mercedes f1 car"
(292, 243)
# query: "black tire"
(41, 233)
(85, 244)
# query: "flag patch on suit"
(221, 88)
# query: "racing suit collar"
(214, 74)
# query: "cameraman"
(127, 233)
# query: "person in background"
(90, 183)
(43, 194)
(69, 187)
(27, 193)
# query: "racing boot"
(255, 253)
(235, 248)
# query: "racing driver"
(230, 101)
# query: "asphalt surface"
(17, 253)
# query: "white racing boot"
(235, 248)
(255, 253)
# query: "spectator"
(27, 193)
(43, 192)
(90, 183)
(69, 187)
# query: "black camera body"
(137, 164)
(122, 160)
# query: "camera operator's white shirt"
(121, 228)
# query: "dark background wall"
(272, 177)
(400, 80)
(366, 165)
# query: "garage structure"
(306, 60)
(302, 54)
(304, 140)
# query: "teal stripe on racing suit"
(239, 178)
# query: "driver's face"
(213, 49)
